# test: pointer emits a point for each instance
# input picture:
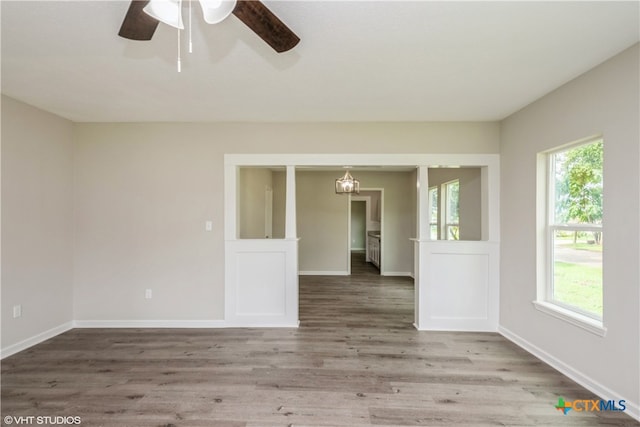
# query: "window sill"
(591, 325)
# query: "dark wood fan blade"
(137, 25)
(266, 25)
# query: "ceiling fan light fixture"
(215, 11)
(166, 11)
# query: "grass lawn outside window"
(578, 272)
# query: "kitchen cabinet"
(373, 247)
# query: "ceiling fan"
(143, 17)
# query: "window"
(444, 221)
(433, 213)
(451, 224)
(573, 236)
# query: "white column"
(422, 231)
(290, 231)
(291, 234)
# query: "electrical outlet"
(17, 311)
(148, 294)
(208, 225)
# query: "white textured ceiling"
(357, 61)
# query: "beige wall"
(144, 191)
(358, 224)
(94, 214)
(603, 101)
(252, 185)
(323, 223)
(37, 221)
(142, 195)
(279, 180)
(470, 197)
(374, 207)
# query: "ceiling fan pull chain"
(179, 62)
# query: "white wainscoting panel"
(261, 283)
(261, 288)
(458, 285)
(461, 284)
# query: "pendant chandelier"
(347, 184)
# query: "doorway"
(365, 225)
(358, 225)
(360, 263)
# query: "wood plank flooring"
(356, 360)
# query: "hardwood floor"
(356, 360)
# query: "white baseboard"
(258, 325)
(346, 273)
(36, 339)
(397, 273)
(461, 324)
(323, 273)
(151, 324)
(633, 408)
(181, 324)
(177, 324)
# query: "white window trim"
(544, 250)
(585, 322)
